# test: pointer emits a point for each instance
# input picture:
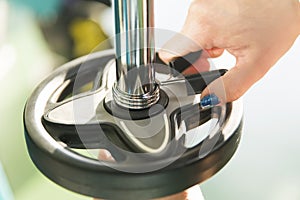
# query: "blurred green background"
(34, 39)
(37, 36)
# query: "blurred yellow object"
(87, 35)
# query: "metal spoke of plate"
(72, 114)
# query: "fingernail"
(209, 100)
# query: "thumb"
(236, 81)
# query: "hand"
(256, 32)
(193, 193)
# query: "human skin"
(193, 193)
(256, 32)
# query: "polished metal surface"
(135, 53)
(136, 101)
(180, 143)
(147, 135)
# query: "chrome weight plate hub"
(170, 146)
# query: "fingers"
(105, 155)
(178, 46)
(200, 65)
(236, 81)
(215, 52)
(191, 193)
